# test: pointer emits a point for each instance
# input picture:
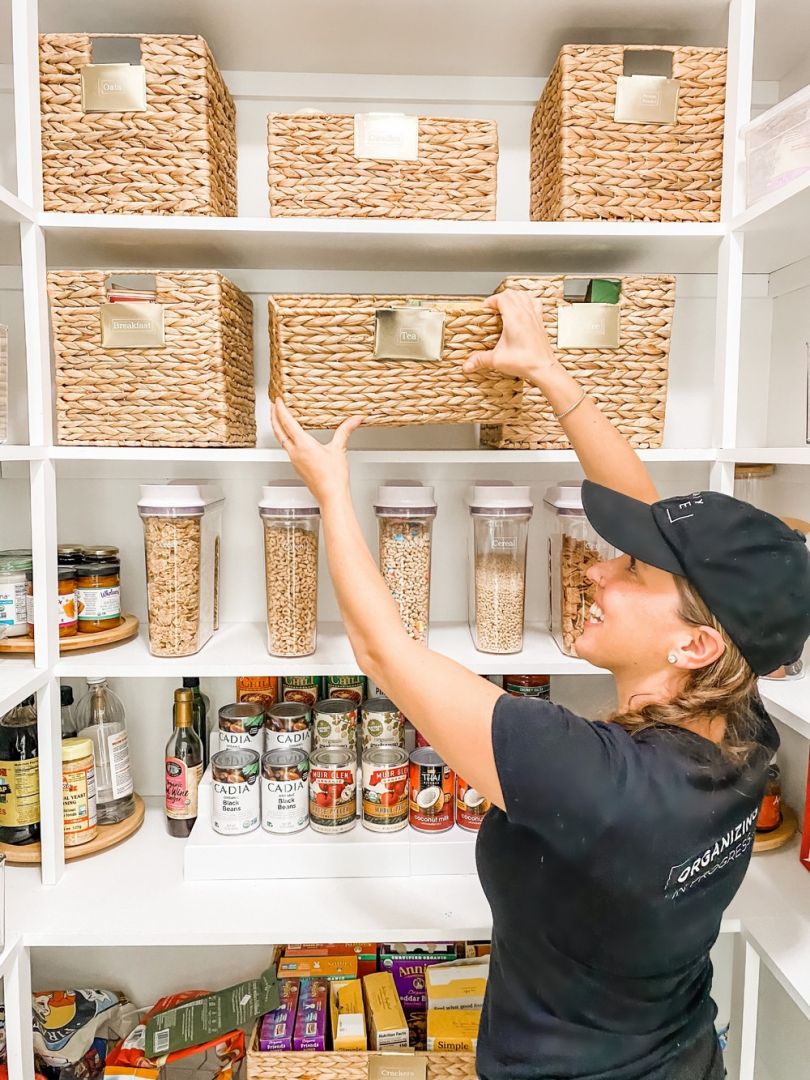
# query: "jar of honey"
(98, 596)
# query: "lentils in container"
(288, 726)
(291, 519)
(405, 513)
(285, 790)
(382, 724)
(241, 726)
(500, 516)
(332, 790)
(334, 722)
(385, 789)
(236, 792)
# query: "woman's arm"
(524, 350)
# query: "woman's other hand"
(523, 349)
(323, 467)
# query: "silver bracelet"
(570, 409)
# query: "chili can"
(334, 722)
(470, 806)
(235, 775)
(350, 687)
(385, 789)
(285, 790)
(241, 726)
(382, 723)
(431, 792)
(303, 688)
(332, 790)
(288, 725)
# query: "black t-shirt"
(607, 877)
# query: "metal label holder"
(409, 333)
(132, 326)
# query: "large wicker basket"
(176, 157)
(585, 165)
(313, 170)
(629, 383)
(197, 389)
(322, 363)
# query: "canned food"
(235, 774)
(334, 722)
(262, 688)
(350, 687)
(332, 790)
(288, 725)
(241, 726)
(385, 789)
(431, 792)
(285, 794)
(470, 806)
(383, 723)
(421, 741)
(536, 686)
(303, 688)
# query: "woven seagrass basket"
(322, 363)
(178, 156)
(313, 170)
(629, 383)
(585, 165)
(197, 389)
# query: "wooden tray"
(770, 841)
(24, 646)
(108, 836)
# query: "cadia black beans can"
(285, 790)
(304, 688)
(382, 723)
(332, 790)
(385, 789)
(235, 775)
(241, 726)
(334, 723)
(288, 725)
(350, 687)
(431, 792)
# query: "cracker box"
(386, 1020)
(366, 953)
(318, 967)
(458, 985)
(277, 1028)
(311, 1017)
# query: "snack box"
(386, 1020)
(311, 1016)
(277, 1028)
(408, 963)
(453, 1029)
(458, 985)
(318, 967)
(348, 1017)
(366, 953)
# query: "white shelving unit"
(736, 377)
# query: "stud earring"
(672, 658)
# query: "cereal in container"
(405, 511)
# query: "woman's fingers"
(479, 361)
(340, 439)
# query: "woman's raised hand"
(323, 467)
(523, 349)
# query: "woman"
(613, 847)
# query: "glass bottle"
(200, 708)
(69, 729)
(19, 775)
(184, 766)
(100, 716)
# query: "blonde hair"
(723, 689)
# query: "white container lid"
(406, 495)
(487, 495)
(565, 497)
(186, 497)
(287, 495)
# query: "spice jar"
(79, 791)
(291, 519)
(500, 517)
(15, 568)
(405, 513)
(98, 596)
(770, 809)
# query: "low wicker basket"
(322, 363)
(629, 383)
(586, 166)
(176, 157)
(197, 389)
(313, 170)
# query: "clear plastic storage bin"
(405, 513)
(182, 527)
(500, 517)
(777, 146)
(291, 519)
(574, 548)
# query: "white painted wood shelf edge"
(789, 702)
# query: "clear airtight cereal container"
(405, 513)
(500, 516)
(182, 528)
(291, 519)
(574, 548)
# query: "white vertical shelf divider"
(16, 972)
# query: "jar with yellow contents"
(79, 792)
(98, 595)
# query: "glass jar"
(101, 718)
(770, 809)
(291, 519)
(98, 596)
(19, 775)
(500, 516)
(574, 547)
(405, 513)
(79, 792)
(534, 686)
(749, 482)
(15, 568)
(102, 553)
(70, 555)
(69, 728)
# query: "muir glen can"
(332, 790)
(382, 724)
(350, 687)
(235, 775)
(288, 725)
(241, 726)
(385, 789)
(470, 806)
(334, 723)
(431, 792)
(285, 791)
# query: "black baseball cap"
(750, 569)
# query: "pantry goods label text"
(732, 845)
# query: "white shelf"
(775, 228)
(789, 702)
(770, 455)
(784, 946)
(241, 649)
(22, 453)
(18, 679)
(14, 211)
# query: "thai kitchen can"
(385, 789)
(470, 806)
(382, 723)
(285, 790)
(288, 725)
(431, 792)
(350, 687)
(334, 723)
(303, 688)
(241, 726)
(332, 790)
(235, 774)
